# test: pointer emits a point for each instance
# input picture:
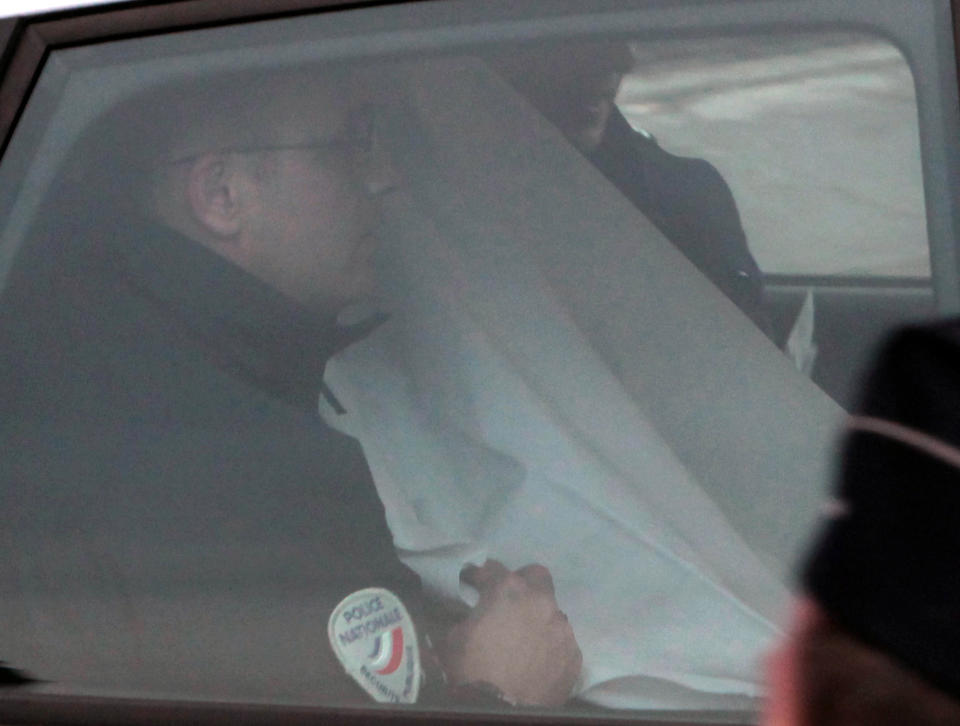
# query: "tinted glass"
(771, 112)
(305, 320)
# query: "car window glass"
(304, 320)
(820, 128)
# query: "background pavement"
(817, 136)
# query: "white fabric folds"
(557, 384)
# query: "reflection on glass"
(303, 368)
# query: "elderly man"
(164, 343)
(875, 637)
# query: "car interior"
(556, 381)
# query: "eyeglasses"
(358, 138)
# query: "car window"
(819, 127)
(817, 135)
(451, 355)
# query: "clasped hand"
(516, 638)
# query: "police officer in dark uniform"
(164, 337)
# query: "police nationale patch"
(374, 639)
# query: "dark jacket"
(691, 204)
(159, 415)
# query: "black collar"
(611, 155)
(247, 327)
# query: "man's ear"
(214, 195)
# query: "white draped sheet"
(557, 384)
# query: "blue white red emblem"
(373, 637)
